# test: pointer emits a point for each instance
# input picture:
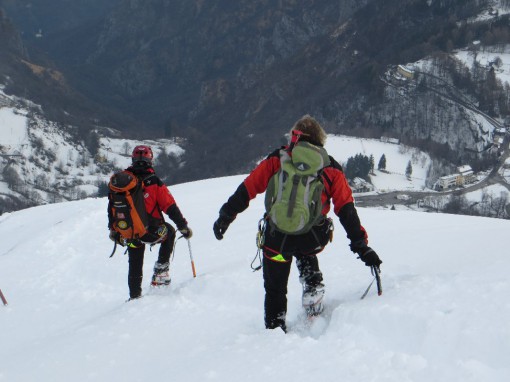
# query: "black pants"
(136, 255)
(276, 277)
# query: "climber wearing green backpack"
(300, 181)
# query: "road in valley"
(412, 197)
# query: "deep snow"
(443, 315)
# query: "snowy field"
(443, 316)
(495, 191)
(14, 128)
(486, 56)
(397, 158)
(494, 7)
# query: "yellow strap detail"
(279, 257)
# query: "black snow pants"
(276, 277)
(136, 255)
(279, 249)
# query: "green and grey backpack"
(293, 196)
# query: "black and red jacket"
(158, 199)
(336, 190)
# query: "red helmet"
(142, 153)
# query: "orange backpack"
(127, 205)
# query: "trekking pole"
(192, 262)
(376, 273)
(3, 297)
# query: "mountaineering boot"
(277, 322)
(135, 287)
(312, 299)
(161, 275)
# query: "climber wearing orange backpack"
(149, 226)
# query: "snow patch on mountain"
(495, 56)
(44, 162)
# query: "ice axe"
(2, 297)
(190, 255)
(191, 258)
(376, 272)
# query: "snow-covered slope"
(443, 315)
(48, 163)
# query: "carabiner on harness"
(259, 241)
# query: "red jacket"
(156, 195)
(336, 189)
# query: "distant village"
(464, 175)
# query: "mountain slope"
(442, 317)
(237, 75)
(48, 18)
(44, 162)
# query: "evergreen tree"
(409, 169)
(12, 178)
(92, 142)
(357, 167)
(102, 189)
(372, 164)
(127, 148)
(382, 163)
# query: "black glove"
(365, 253)
(186, 232)
(220, 226)
(370, 258)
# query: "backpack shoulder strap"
(151, 179)
(324, 175)
(147, 181)
(335, 164)
(276, 153)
